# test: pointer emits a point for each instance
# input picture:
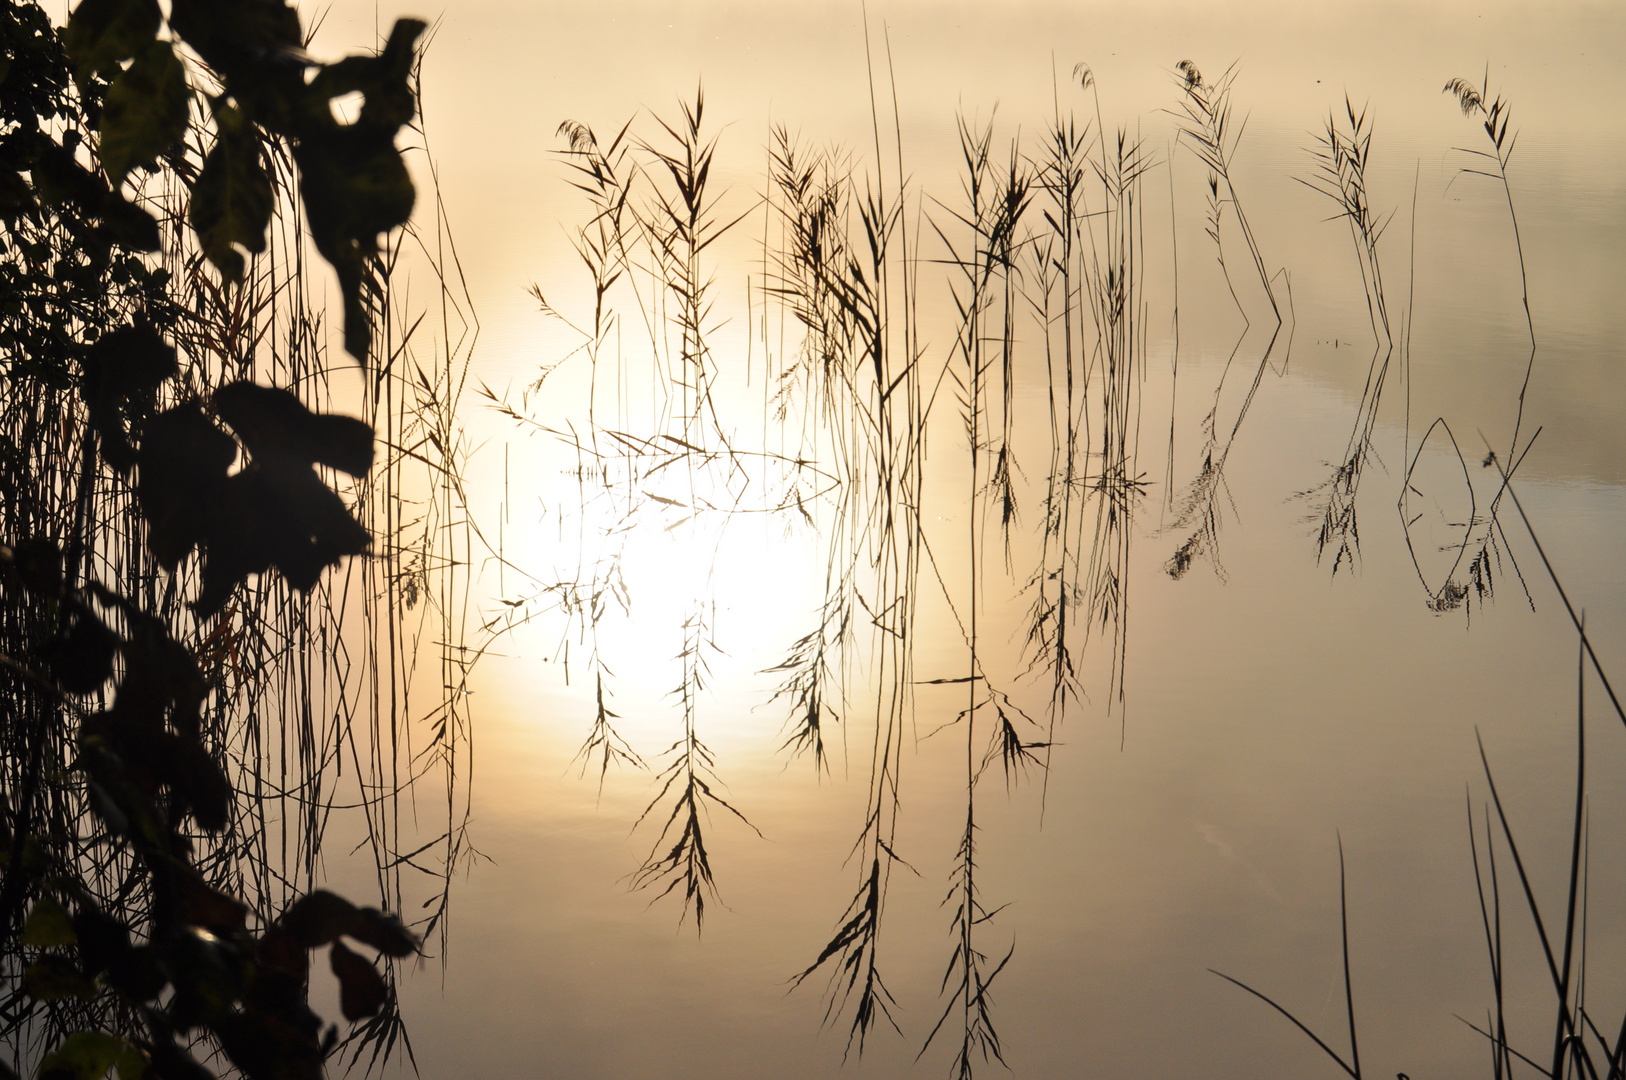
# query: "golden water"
(1266, 712)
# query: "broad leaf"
(275, 426)
(54, 978)
(353, 180)
(355, 186)
(146, 111)
(101, 33)
(232, 200)
(361, 988)
(121, 373)
(383, 80)
(235, 37)
(209, 975)
(88, 1055)
(129, 224)
(81, 659)
(183, 463)
(319, 918)
(48, 926)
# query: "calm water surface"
(1269, 706)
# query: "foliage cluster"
(135, 953)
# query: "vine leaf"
(88, 1055)
(120, 376)
(232, 200)
(101, 33)
(353, 180)
(361, 988)
(146, 111)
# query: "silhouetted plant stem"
(1206, 128)
(1353, 1065)
(1343, 160)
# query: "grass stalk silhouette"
(1342, 158)
(1207, 129)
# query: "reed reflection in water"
(768, 375)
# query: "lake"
(1259, 589)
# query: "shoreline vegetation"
(199, 677)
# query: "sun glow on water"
(689, 577)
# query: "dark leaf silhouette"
(285, 519)
(267, 1047)
(82, 657)
(352, 178)
(54, 978)
(183, 460)
(208, 907)
(209, 975)
(89, 1055)
(35, 564)
(161, 680)
(153, 758)
(361, 988)
(48, 926)
(62, 181)
(100, 33)
(129, 224)
(120, 375)
(277, 428)
(232, 200)
(146, 111)
(319, 918)
(382, 80)
(237, 36)
(103, 940)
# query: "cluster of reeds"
(851, 399)
(1057, 255)
(983, 244)
(857, 294)
(649, 247)
(1042, 257)
(1343, 156)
